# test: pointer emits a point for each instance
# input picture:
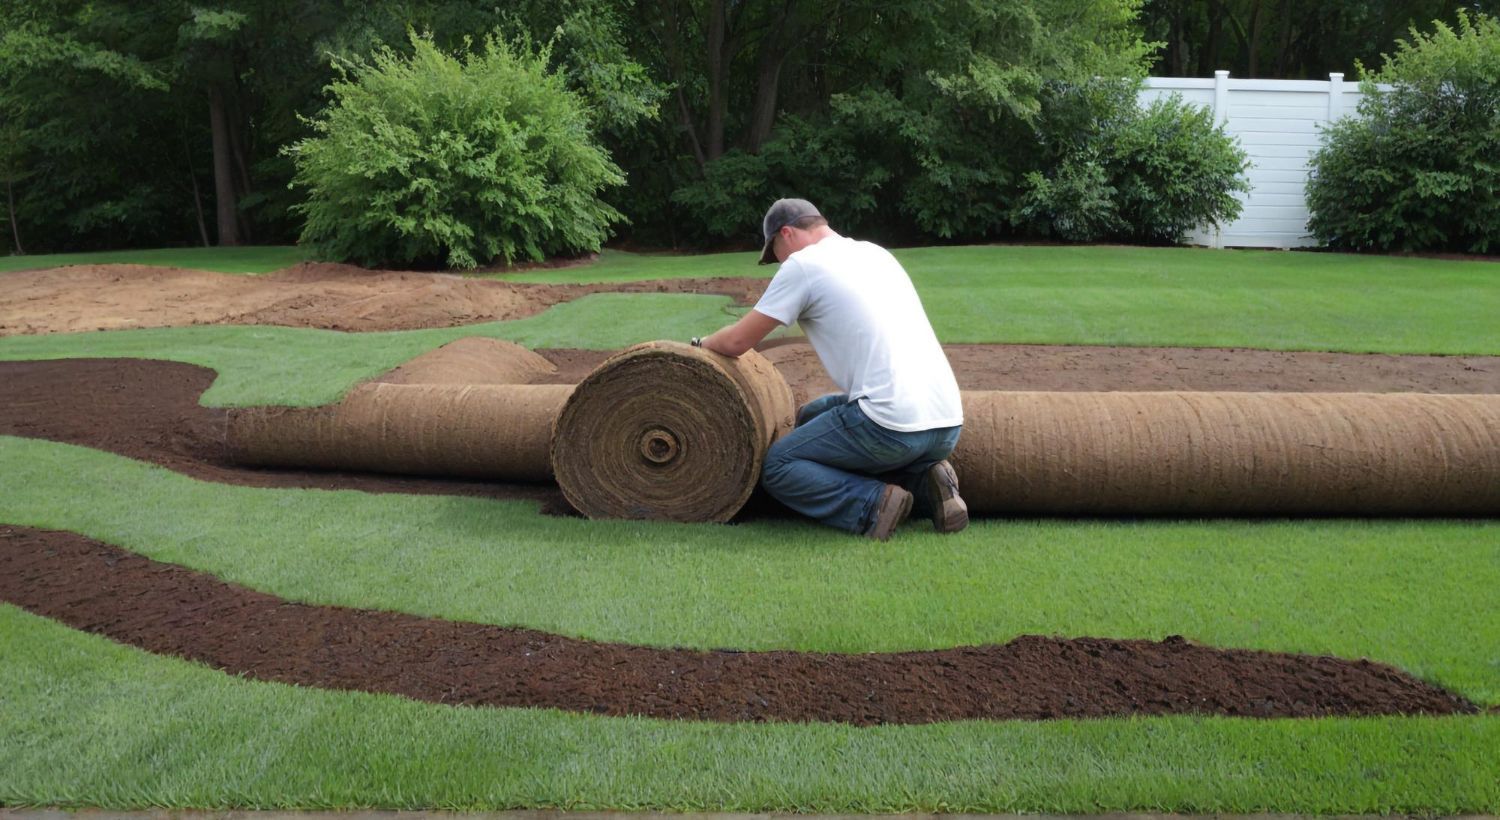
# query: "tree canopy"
(163, 122)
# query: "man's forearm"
(723, 341)
(740, 336)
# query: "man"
(861, 459)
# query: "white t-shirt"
(863, 317)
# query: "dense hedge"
(1143, 175)
(1419, 168)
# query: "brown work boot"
(949, 512)
(895, 506)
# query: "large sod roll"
(497, 432)
(1230, 453)
(459, 410)
(664, 430)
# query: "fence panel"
(1278, 123)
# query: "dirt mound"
(316, 295)
(173, 610)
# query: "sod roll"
(461, 410)
(1230, 453)
(668, 431)
(497, 432)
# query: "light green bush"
(458, 160)
(1419, 168)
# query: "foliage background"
(1419, 169)
(141, 123)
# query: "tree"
(1280, 38)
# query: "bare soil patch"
(315, 295)
(169, 609)
(1084, 368)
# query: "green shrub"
(1419, 168)
(820, 162)
(459, 160)
(1141, 175)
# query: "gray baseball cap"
(782, 212)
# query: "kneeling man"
(861, 459)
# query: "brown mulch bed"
(168, 609)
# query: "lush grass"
(1348, 588)
(246, 259)
(1188, 297)
(299, 366)
(91, 723)
(1122, 295)
(1204, 298)
(620, 266)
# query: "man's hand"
(742, 335)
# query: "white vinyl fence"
(1277, 122)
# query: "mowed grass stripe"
(92, 723)
(1408, 593)
(300, 366)
(243, 259)
(1140, 297)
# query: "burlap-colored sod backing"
(664, 430)
(472, 360)
(1230, 453)
(454, 411)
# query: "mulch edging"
(169, 609)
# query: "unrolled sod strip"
(1230, 453)
(664, 430)
(454, 411)
(497, 432)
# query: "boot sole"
(949, 511)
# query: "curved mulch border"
(168, 609)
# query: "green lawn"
(299, 366)
(1126, 296)
(92, 723)
(89, 722)
(1349, 588)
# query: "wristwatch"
(697, 341)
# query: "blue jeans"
(834, 466)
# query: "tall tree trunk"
(198, 208)
(671, 48)
(241, 163)
(1283, 48)
(785, 34)
(767, 83)
(227, 213)
(1209, 63)
(15, 228)
(717, 67)
(1252, 46)
(1175, 43)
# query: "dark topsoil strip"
(168, 609)
(148, 410)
